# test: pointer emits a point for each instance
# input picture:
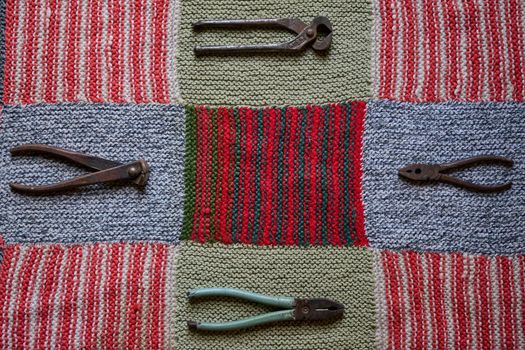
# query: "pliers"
(306, 34)
(105, 170)
(294, 309)
(436, 172)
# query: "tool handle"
(91, 162)
(136, 171)
(276, 316)
(275, 301)
(287, 23)
(472, 186)
(475, 160)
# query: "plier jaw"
(317, 309)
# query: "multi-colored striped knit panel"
(275, 176)
(341, 274)
(435, 216)
(449, 50)
(260, 80)
(85, 50)
(101, 296)
(450, 301)
(111, 212)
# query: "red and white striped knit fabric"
(450, 301)
(101, 296)
(437, 50)
(88, 50)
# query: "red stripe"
(224, 202)
(388, 40)
(69, 296)
(522, 288)
(483, 302)
(494, 42)
(72, 50)
(516, 47)
(137, 51)
(11, 23)
(25, 288)
(111, 311)
(430, 38)
(507, 305)
(291, 190)
(48, 289)
(247, 173)
(314, 200)
(116, 73)
(158, 68)
(360, 111)
(50, 55)
(268, 192)
(388, 297)
(93, 275)
(157, 283)
(94, 51)
(409, 49)
(135, 274)
(473, 51)
(435, 262)
(451, 18)
(29, 50)
(9, 258)
(335, 164)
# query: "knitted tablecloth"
(274, 173)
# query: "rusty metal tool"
(318, 34)
(437, 172)
(104, 170)
(292, 309)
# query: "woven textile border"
(275, 176)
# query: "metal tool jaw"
(104, 170)
(317, 309)
(421, 172)
(311, 34)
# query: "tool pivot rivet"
(133, 171)
(310, 32)
(306, 310)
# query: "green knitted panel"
(270, 79)
(341, 274)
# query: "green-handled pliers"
(293, 309)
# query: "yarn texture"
(449, 301)
(286, 176)
(449, 50)
(105, 212)
(275, 79)
(340, 274)
(441, 217)
(97, 51)
(100, 296)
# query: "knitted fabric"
(441, 217)
(106, 212)
(270, 79)
(340, 274)
(2, 47)
(450, 301)
(102, 296)
(286, 176)
(83, 50)
(449, 50)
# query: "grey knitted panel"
(102, 212)
(438, 216)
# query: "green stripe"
(258, 166)
(300, 179)
(237, 165)
(348, 176)
(324, 184)
(280, 177)
(214, 172)
(189, 173)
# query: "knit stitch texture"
(286, 176)
(106, 212)
(101, 296)
(449, 301)
(270, 79)
(442, 217)
(449, 50)
(344, 275)
(2, 47)
(97, 51)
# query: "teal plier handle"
(286, 303)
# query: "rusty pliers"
(436, 172)
(104, 170)
(306, 34)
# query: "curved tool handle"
(137, 171)
(475, 160)
(280, 302)
(283, 315)
(293, 24)
(91, 162)
(472, 186)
